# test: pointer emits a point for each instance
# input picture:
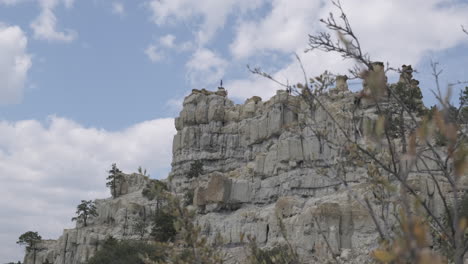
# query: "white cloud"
(46, 169)
(401, 32)
(405, 31)
(118, 8)
(160, 49)
(208, 15)
(284, 29)
(45, 25)
(153, 53)
(167, 41)
(14, 63)
(205, 67)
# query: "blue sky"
(84, 84)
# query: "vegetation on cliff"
(85, 210)
(126, 252)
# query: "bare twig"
(347, 45)
(259, 71)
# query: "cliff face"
(116, 217)
(262, 163)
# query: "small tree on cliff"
(142, 171)
(163, 229)
(84, 210)
(155, 190)
(31, 240)
(140, 228)
(115, 177)
(196, 168)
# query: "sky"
(88, 83)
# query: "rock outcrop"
(262, 161)
(116, 217)
(262, 164)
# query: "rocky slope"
(262, 163)
(116, 217)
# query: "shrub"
(154, 189)
(163, 227)
(126, 252)
(279, 254)
(196, 168)
(188, 197)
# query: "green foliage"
(84, 210)
(142, 171)
(279, 254)
(29, 239)
(463, 115)
(451, 114)
(393, 125)
(196, 169)
(139, 228)
(463, 99)
(114, 178)
(440, 139)
(126, 252)
(411, 97)
(154, 189)
(188, 197)
(463, 108)
(163, 226)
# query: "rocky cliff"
(116, 217)
(263, 160)
(262, 164)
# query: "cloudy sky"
(84, 84)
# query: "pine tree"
(30, 239)
(84, 210)
(115, 177)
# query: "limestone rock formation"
(262, 163)
(116, 217)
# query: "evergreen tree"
(463, 108)
(30, 239)
(163, 226)
(84, 210)
(139, 228)
(196, 168)
(115, 177)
